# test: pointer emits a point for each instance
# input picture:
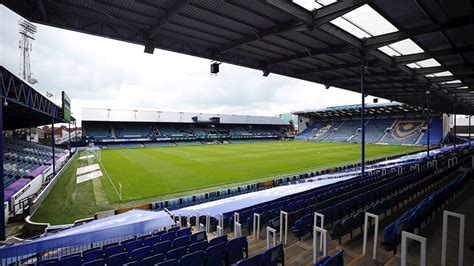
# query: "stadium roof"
(26, 107)
(408, 46)
(128, 115)
(381, 109)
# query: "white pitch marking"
(89, 176)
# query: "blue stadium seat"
(112, 250)
(168, 236)
(140, 253)
(173, 262)
(235, 249)
(335, 260)
(132, 245)
(152, 260)
(92, 254)
(192, 259)
(106, 246)
(198, 237)
(176, 253)
(322, 261)
(173, 229)
(183, 232)
(180, 241)
(199, 246)
(214, 255)
(71, 260)
(162, 247)
(118, 259)
(49, 262)
(217, 240)
(273, 256)
(252, 261)
(150, 241)
(98, 262)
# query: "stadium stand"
(27, 166)
(22, 158)
(404, 132)
(175, 128)
(384, 130)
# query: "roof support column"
(469, 128)
(428, 128)
(454, 117)
(69, 137)
(2, 177)
(53, 111)
(363, 69)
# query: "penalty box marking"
(89, 176)
(86, 169)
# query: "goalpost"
(93, 154)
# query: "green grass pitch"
(150, 174)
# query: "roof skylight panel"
(404, 47)
(350, 27)
(308, 4)
(424, 63)
(451, 81)
(440, 74)
(369, 20)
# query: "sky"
(104, 73)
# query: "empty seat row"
(415, 217)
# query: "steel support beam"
(412, 58)
(386, 39)
(338, 67)
(2, 177)
(450, 78)
(428, 124)
(469, 128)
(294, 10)
(170, 13)
(320, 17)
(336, 49)
(454, 118)
(363, 69)
(459, 68)
(53, 142)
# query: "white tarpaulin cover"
(130, 223)
(89, 176)
(86, 169)
(214, 208)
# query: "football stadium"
(371, 183)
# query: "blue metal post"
(363, 69)
(53, 111)
(428, 124)
(2, 218)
